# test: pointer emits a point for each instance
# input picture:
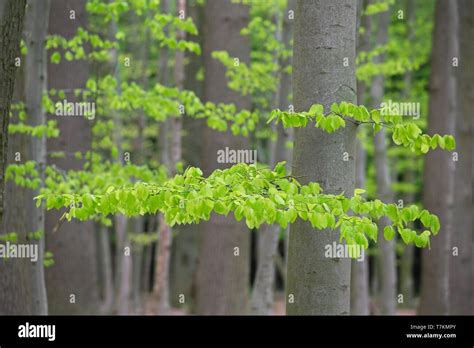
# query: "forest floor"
(278, 308)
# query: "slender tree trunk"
(224, 259)
(11, 24)
(165, 235)
(439, 166)
(408, 256)
(36, 29)
(360, 269)
(387, 257)
(325, 35)
(461, 281)
(72, 283)
(105, 270)
(263, 292)
(26, 218)
(184, 255)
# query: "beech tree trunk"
(325, 36)
(11, 24)
(21, 214)
(461, 270)
(406, 283)
(19, 297)
(387, 259)
(360, 269)
(263, 291)
(438, 189)
(184, 255)
(224, 260)
(71, 289)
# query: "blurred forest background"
(163, 85)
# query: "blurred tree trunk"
(36, 29)
(19, 295)
(439, 166)
(106, 279)
(263, 292)
(72, 283)
(360, 269)
(224, 260)
(162, 281)
(461, 281)
(184, 255)
(11, 24)
(325, 34)
(406, 283)
(387, 258)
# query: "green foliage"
(257, 195)
(407, 134)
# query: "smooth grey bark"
(21, 214)
(123, 267)
(105, 269)
(222, 277)
(387, 259)
(123, 248)
(439, 166)
(73, 245)
(360, 269)
(36, 29)
(325, 34)
(262, 299)
(461, 268)
(162, 281)
(184, 254)
(11, 25)
(406, 283)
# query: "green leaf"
(55, 58)
(388, 232)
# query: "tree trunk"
(387, 259)
(360, 269)
(461, 282)
(105, 270)
(21, 215)
(438, 188)
(325, 35)
(406, 283)
(263, 293)
(72, 283)
(224, 259)
(184, 255)
(11, 24)
(36, 29)
(164, 231)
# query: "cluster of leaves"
(154, 20)
(407, 134)
(20, 126)
(268, 55)
(172, 102)
(73, 49)
(257, 195)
